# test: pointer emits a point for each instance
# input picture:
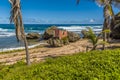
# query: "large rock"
(55, 42)
(72, 37)
(84, 33)
(33, 35)
(49, 33)
(115, 27)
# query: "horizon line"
(54, 23)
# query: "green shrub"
(95, 65)
(94, 39)
(65, 40)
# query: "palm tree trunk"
(104, 40)
(16, 17)
(26, 49)
(25, 41)
(106, 36)
(104, 33)
(94, 47)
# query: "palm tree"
(108, 13)
(94, 39)
(16, 18)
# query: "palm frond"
(116, 3)
(100, 2)
(117, 25)
(106, 31)
(91, 36)
(16, 18)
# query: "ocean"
(8, 39)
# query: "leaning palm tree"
(16, 18)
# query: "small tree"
(94, 39)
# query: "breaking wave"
(78, 29)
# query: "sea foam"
(80, 28)
(20, 48)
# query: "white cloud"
(34, 20)
(92, 20)
(4, 20)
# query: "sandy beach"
(41, 53)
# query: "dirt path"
(39, 54)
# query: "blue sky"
(55, 12)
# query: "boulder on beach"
(84, 33)
(55, 42)
(49, 33)
(33, 35)
(115, 27)
(72, 37)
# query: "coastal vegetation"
(108, 14)
(94, 38)
(94, 65)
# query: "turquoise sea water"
(7, 31)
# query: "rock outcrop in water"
(49, 33)
(33, 35)
(84, 33)
(58, 42)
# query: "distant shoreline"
(53, 24)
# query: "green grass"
(96, 65)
